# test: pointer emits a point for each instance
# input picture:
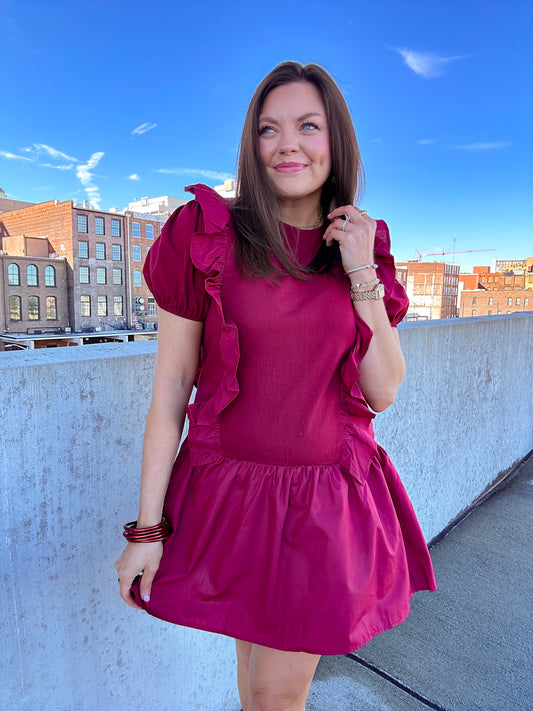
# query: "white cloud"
(426, 64)
(376, 140)
(84, 175)
(133, 176)
(426, 141)
(57, 167)
(13, 156)
(143, 128)
(210, 174)
(480, 146)
(40, 148)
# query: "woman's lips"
(289, 167)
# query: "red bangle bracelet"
(148, 534)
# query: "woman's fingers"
(355, 234)
(138, 559)
(125, 593)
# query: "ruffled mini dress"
(292, 529)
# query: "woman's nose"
(288, 142)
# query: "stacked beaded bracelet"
(148, 534)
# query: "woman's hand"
(355, 237)
(138, 558)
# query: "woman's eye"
(264, 130)
(309, 126)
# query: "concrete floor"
(466, 647)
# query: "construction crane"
(460, 251)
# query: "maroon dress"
(292, 528)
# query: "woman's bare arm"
(177, 361)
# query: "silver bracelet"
(358, 269)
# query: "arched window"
(15, 308)
(51, 308)
(13, 275)
(50, 276)
(32, 275)
(33, 308)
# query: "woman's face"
(294, 141)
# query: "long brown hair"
(255, 210)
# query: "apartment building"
(92, 242)
(33, 294)
(432, 288)
(141, 231)
(484, 302)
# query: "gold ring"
(363, 212)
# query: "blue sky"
(108, 101)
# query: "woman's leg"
(279, 681)
(243, 665)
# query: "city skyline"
(108, 106)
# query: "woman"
(292, 532)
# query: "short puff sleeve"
(396, 301)
(177, 285)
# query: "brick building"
(485, 302)
(33, 294)
(141, 231)
(432, 288)
(92, 243)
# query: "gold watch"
(377, 292)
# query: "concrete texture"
(70, 452)
(463, 413)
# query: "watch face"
(380, 291)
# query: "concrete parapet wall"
(464, 412)
(71, 438)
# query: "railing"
(71, 436)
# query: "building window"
(137, 256)
(149, 231)
(51, 308)
(117, 306)
(99, 225)
(117, 276)
(84, 275)
(32, 275)
(117, 253)
(151, 306)
(82, 223)
(147, 250)
(489, 312)
(526, 301)
(135, 229)
(490, 300)
(101, 276)
(137, 279)
(473, 312)
(102, 306)
(100, 250)
(83, 249)
(49, 276)
(13, 275)
(509, 303)
(85, 303)
(15, 310)
(518, 301)
(474, 300)
(115, 228)
(33, 308)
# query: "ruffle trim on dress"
(220, 359)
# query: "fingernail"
(146, 598)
